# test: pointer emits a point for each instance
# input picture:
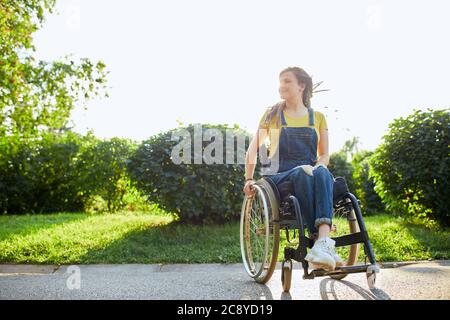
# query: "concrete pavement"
(424, 280)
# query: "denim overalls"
(298, 146)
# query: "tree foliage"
(411, 168)
(364, 184)
(39, 169)
(37, 95)
(103, 171)
(196, 192)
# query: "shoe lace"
(329, 247)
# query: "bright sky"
(214, 61)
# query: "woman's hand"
(249, 190)
(308, 169)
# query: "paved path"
(425, 280)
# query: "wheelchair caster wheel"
(371, 280)
(286, 275)
(372, 275)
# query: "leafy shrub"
(364, 184)
(196, 192)
(340, 167)
(40, 175)
(411, 168)
(65, 172)
(103, 172)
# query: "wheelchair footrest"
(349, 239)
(340, 270)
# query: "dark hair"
(302, 78)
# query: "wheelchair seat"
(286, 188)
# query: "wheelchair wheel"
(346, 223)
(260, 232)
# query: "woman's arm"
(252, 151)
(324, 157)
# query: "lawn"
(143, 237)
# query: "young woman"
(298, 138)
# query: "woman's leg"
(323, 200)
(324, 231)
(323, 254)
(315, 195)
(279, 177)
(304, 192)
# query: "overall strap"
(283, 120)
(311, 116)
(310, 113)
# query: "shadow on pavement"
(252, 291)
(331, 294)
(286, 296)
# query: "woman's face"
(289, 87)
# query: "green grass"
(127, 237)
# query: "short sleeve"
(322, 121)
(262, 124)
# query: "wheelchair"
(273, 209)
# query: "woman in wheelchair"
(299, 153)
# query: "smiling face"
(289, 86)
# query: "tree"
(340, 167)
(36, 99)
(38, 96)
(351, 147)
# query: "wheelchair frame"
(278, 215)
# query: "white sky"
(214, 61)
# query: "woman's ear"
(302, 86)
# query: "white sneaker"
(323, 255)
(337, 259)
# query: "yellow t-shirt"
(320, 123)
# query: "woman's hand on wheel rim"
(249, 190)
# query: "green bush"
(364, 184)
(340, 167)
(411, 168)
(65, 172)
(356, 173)
(196, 192)
(103, 173)
(41, 175)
